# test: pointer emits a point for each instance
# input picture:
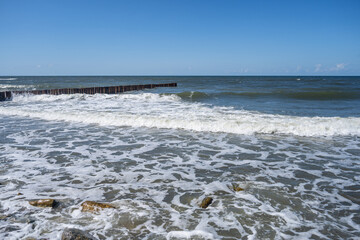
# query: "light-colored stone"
(43, 203)
(90, 206)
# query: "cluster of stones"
(208, 200)
(95, 207)
(73, 233)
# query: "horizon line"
(176, 75)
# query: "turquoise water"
(292, 144)
(307, 96)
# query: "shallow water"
(155, 155)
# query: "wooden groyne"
(4, 96)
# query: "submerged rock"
(76, 234)
(2, 217)
(90, 206)
(236, 187)
(43, 203)
(206, 202)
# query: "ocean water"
(292, 144)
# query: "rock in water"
(2, 217)
(90, 206)
(206, 202)
(236, 187)
(43, 203)
(76, 234)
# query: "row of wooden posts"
(7, 95)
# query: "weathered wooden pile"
(4, 96)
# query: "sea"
(290, 145)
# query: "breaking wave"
(171, 112)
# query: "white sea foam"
(160, 111)
(8, 79)
(190, 234)
(157, 177)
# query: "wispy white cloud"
(338, 67)
(318, 67)
(240, 71)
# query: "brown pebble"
(43, 203)
(237, 189)
(206, 202)
(19, 194)
(90, 206)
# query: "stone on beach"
(90, 206)
(206, 202)
(43, 203)
(76, 234)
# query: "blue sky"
(179, 37)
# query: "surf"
(172, 112)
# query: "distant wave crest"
(301, 95)
(192, 95)
(325, 95)
(8, 86)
